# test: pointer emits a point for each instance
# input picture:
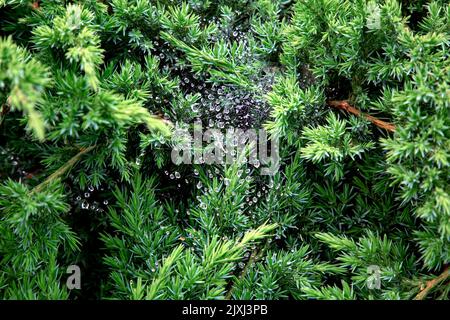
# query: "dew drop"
(84, 205)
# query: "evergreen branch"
(254, 257)
(5, 109)
(256, 253)
(26, 79)
(212, 61)
(66, 167)
(164, 272)
(344, 105)
(97, 70)
(432, 283)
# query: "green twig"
(432, 283)
(66, 167)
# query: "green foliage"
(187, 275)
(392, 260)
(292, 105)
(142, 224)
(333, 145)
(282, 275)
(384, 63)
(74, 34)
(144, 233)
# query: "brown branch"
(432, 283)
(66, 167)
(254, 257)
(344, 105)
